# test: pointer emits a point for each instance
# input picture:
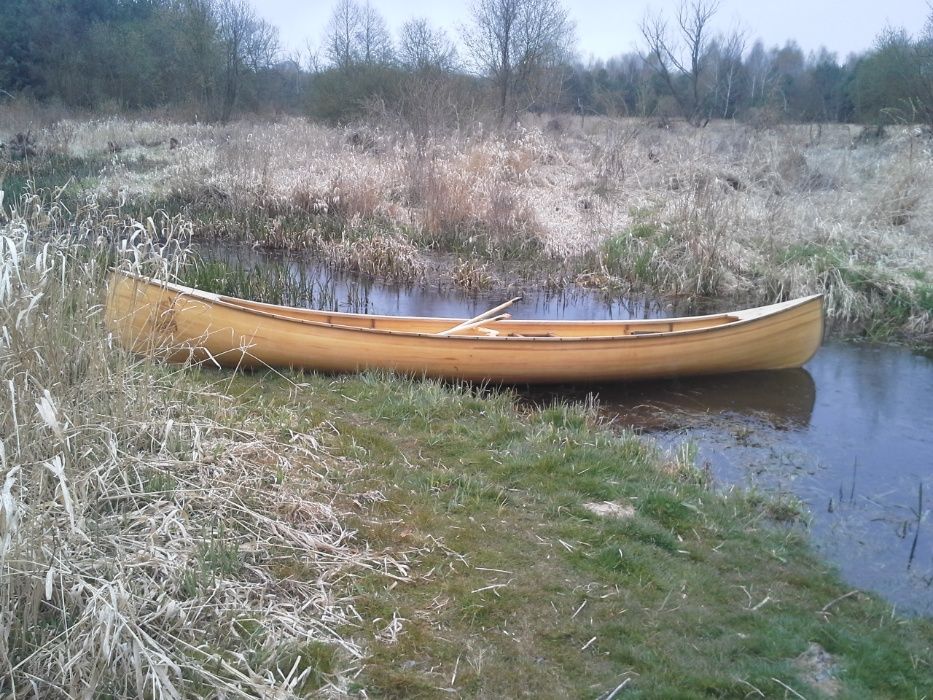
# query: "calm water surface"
(850, 435)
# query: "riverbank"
(561, 559)
(738, 214)
(197, 532)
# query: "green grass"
(632, 255)
(217, 557)
(517, 589)
(273, 283)
(886, 303)
(485, 241)
(72, 175)
(924, 295)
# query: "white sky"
(608, 28)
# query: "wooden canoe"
(182, 324)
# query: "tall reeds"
(144, 532)
(747, 215)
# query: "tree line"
(217, 58)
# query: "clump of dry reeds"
(472, 275)
(146, 538)
(384, 255)
(749, 214)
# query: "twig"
(618, 688)
(498, 571)
(453, 678)
(913, 547)
(854, 471)
(831, 603)
(765, 600)
(744, 682)
(780, 683)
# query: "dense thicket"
(215, 58)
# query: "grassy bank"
(554, 558)
(172, 531)
(152, 542)
(739, 214)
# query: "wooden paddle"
(474, 324)
(476, 320)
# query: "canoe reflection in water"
(783, 398)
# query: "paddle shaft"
(479, 322)
(482, 317)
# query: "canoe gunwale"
(739, 318)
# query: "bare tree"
(357, 34)
(193, 59)
(760, 68)
(373, 37)
(313, 60)
(248, 44)
(341, 34)
(432, 93)
(261, 46)
(923, 49)
(681, 54)
(726, 57)
(421, 47)
(518, 43)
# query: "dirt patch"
(818, 668)
(611, 509)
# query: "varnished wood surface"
(183, 324)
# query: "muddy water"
(850, 435)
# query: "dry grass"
(152, 542)
(472, 275)
(386, 255)
(730, 210)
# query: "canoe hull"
(184, 325)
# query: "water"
(850, 435)
(338, 291)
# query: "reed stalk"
(143, 527)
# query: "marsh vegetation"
(189, 532)
(731, 212)
(180, 531)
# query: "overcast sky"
(607, 28)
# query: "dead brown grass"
(749, 213)
(153, 543)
